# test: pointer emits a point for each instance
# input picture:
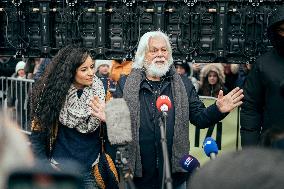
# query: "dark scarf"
(181, 131)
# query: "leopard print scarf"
(76, 112)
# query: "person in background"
(231, 75)
(32, 66)
(44, 63)
(243, 73)
(29, 68)
(119, 72)
(102, 69)
(212, 79)
(185, 69)
(251, 168)
(263, 102)
(20, 70)
(120, 68)
(153, 75)
(63, 114)
(119, 86)
(196, 67)
(17, 95)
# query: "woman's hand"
(228, 102)
(98, 107)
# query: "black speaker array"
(231, 31)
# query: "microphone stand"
(168, 179)
(125, 175)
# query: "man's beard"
(157, 70)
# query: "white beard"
(157, 70)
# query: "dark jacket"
(108, 83)
(263, 104)
(146, 154)
(242, 78)
(119, 86)
(44, 143)
(41, 68)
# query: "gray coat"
(188, 107)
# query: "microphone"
(119, 133)
(210, 147)
(118, 122)
(163, 103)
(189, 163)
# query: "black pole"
(168, 179)
(125, 175)
(128, 179)
(238, 129)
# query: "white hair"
(143, 46)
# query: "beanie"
(185, 66)
(20, 66)
(99, 63)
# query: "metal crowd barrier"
(14, 99)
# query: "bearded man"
(154, 75)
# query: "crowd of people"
(67, 113)
(211, 78)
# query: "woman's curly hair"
(49, 92)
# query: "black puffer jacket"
(263, 106)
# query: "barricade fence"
(14, 99)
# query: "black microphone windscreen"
(189, 163)
(118, 122)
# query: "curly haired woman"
(66, 125)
